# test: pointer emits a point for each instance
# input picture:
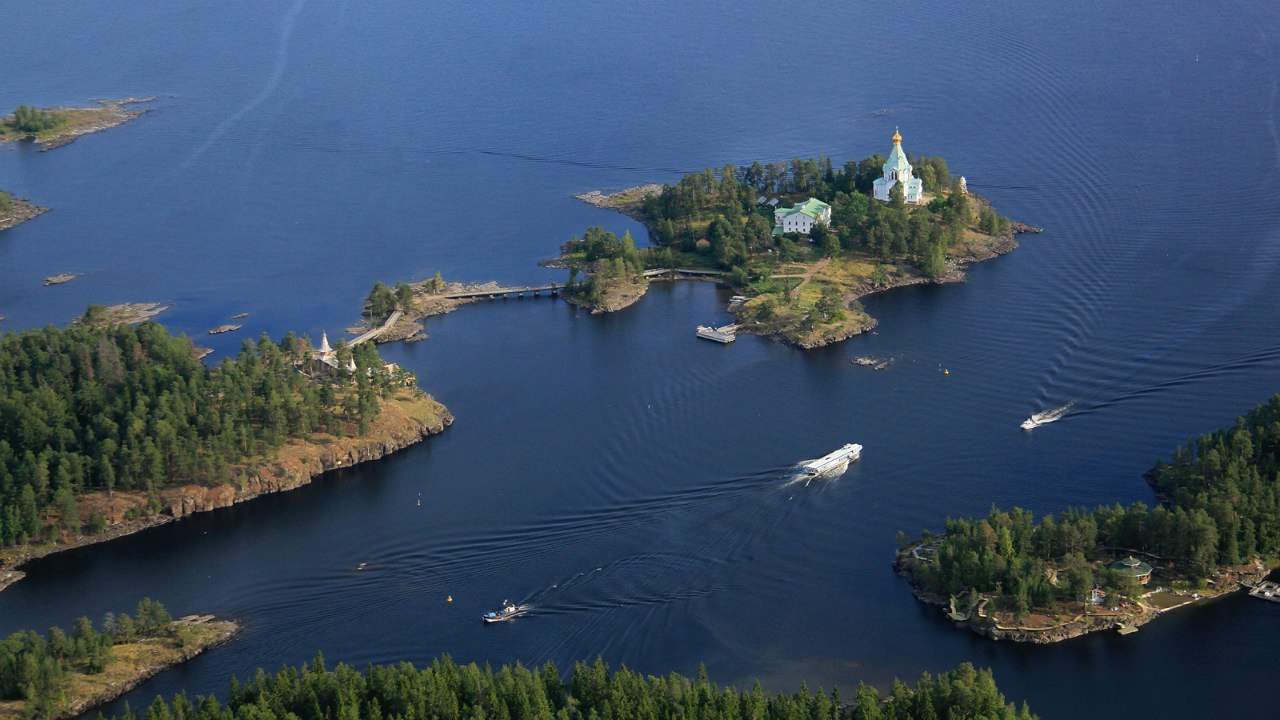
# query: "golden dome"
(897, 138)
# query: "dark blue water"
(630, 481)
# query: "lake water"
(628, 480)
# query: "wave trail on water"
(273, 81)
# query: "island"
(51, 128)
(592, 690)
(62, 675)
(54, 127)
(107, 429)
(1011, 576)
(801, 242)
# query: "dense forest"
(91, 408)
(723, 210)
(1222, 508)
(38, 668)
(446, 691)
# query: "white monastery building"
(898, 170)
(801, 218)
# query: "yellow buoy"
(946, 372)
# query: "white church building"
(898, 170)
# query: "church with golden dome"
(897, 169)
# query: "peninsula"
(1009, 576)
(54, 127)
(60, 676)
(162, 436)
(803, 242)
(15, 211)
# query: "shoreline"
(133, 664)
(630, 202)
(1079, 625)
(20, 210)
(402, 423)
(81, 121)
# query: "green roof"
(811, 207)
(897, 160)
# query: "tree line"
(104, 408)
(1221, 508)
(30, 119)
(447, 691)
(38, 668)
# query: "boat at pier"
(1046, 417)
(833, 463)
(509, 611)
(723, 334)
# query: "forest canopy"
(104, 408)
(447, 691)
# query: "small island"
(1011, 576)
(801, 242)
(62, 675)
(54, 127)
(110, 429)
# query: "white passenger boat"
(1046, 417)
(833, 463)
(509, 611)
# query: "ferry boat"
(509, 611)
(1046, 417)
(833, 463)
(723, 334)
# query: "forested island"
(60, 675)
(801, 289)
(1216, 530)
(106, 428)
(447, 691)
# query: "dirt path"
(806, 276)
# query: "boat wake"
(1047, 416)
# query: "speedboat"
(509, 611)
(833, 463)
(1046, 417)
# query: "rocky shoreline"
(630, 202)
(134, 664)
(18, 212)
(402, 423)
(1079, 625)
(77, 122)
